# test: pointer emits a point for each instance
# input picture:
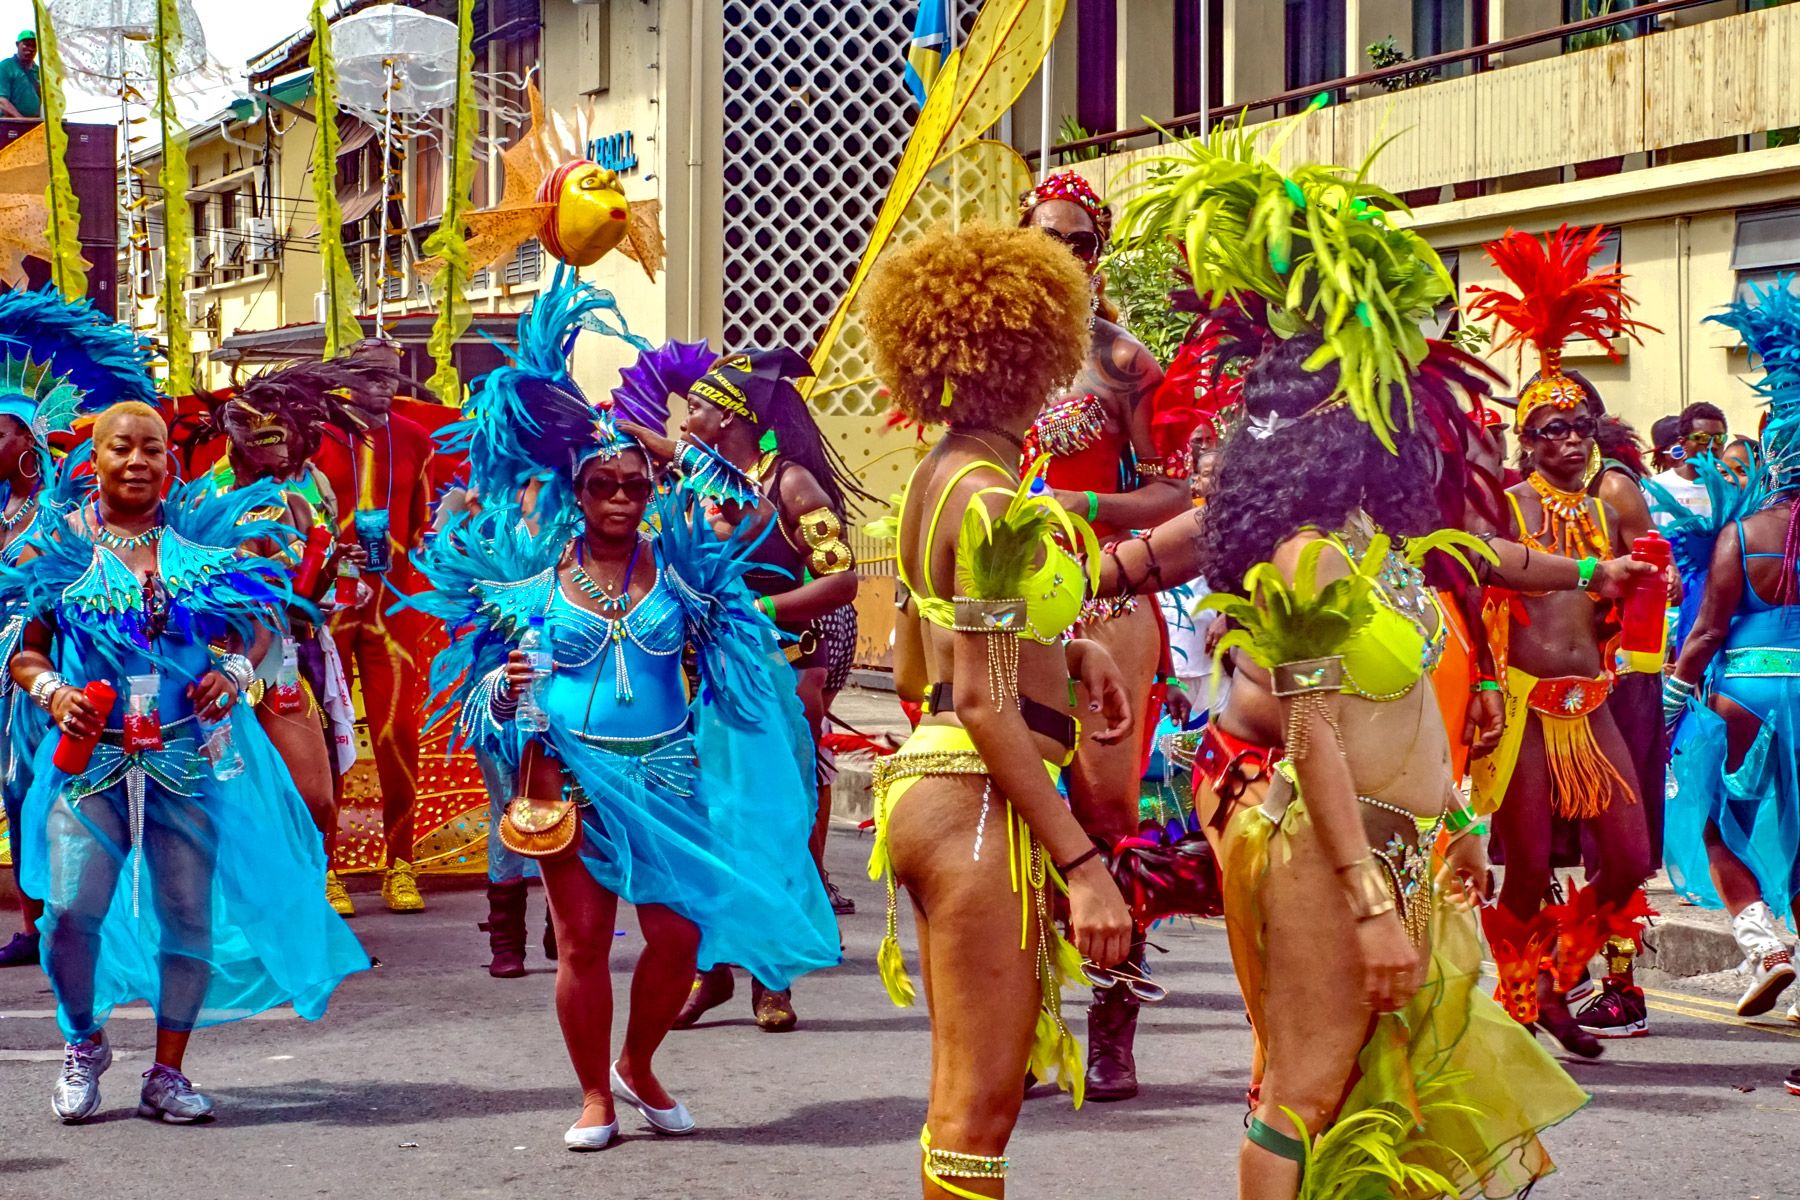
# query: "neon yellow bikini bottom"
(947, 750)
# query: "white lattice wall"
(816, 116)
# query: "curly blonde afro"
(1000, 314)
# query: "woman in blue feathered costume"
(178, 865)
(662, 816)
(1733, 827)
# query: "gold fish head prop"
(588, 215)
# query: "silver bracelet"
(238, 669)
(46, 685)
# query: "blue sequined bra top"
(618, 676)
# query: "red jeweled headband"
(1070, 186)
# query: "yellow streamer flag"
(178, 221)
(449, 243)
(67, 267)
(342, 330)
(976, 86)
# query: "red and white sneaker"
(1618, 1012)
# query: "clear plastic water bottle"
(220, 750)
(535, 645)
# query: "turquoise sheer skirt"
(714, 826)
(1756, 807)
(217, 915)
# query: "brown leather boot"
(506, 928)
(1112, 1028)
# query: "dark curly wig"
(1313, 472)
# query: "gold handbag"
(535, 827)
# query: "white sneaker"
(1768, 962)
(76, 1096)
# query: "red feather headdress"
(1203, 388)
(1558, 300)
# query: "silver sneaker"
(76, 1096)
(168, 1096)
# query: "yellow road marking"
(1684, 998)
(1734, 1020)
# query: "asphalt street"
(429, 1079)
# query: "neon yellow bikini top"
(1402, 640)
(1054, 591)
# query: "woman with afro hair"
(971, 329)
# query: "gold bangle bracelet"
(1366, 888)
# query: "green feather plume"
(995, 555)
(1316, 243)
(1277, 623)
(1457, 544)
(1380, 1152)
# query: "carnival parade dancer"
(1561, 754)
(627, 787)
(971, 328)
(177, 862)
(382, 478)
(753, 453)
(1104, 463)
(1736, 686)
(1339, 854)
(26, 407)
(273, 427)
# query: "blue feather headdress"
(529, 420)
(1768, 320)
(60, 359)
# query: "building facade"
(1675, 128)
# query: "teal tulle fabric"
(708, 807)
(214, 909)
(1756, 807)
(231, 917)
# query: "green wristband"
(1459, 819)
(1093, 507)
(767, 604)
(1486, 685)
(1586, 578)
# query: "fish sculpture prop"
(576, 207)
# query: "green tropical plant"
(1072, 130)
(1139, 281)
(1387, 53)
(1605, 36)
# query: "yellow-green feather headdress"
(1318, 244)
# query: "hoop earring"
(37, 468)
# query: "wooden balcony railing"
(1719, 79)
(1478, 56)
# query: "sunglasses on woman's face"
(603, 488)
(1557, 430)
(1083, 244)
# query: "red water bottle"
(1644, 630)
(312, 563)
(73, 754)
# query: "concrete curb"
(1680, 945)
